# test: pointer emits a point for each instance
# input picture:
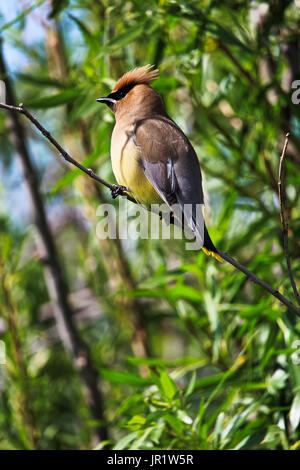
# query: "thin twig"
(283, 218)
(260, 282)
(122, 191)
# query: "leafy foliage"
(224, 366)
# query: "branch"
(121, 190)
(116, 189)
(283, 219)
(260, 282)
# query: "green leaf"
(71, 175)
(128, 36)
(295, 412)
(174, 423)
(168, 385)
(251, 441)
(142, 439)
(238, 420)
(131, 34)
(123, 443)
(209, 381)
(166, 85)
(51, 101)
(191, 385)
(181, 361)
(102, 444)
(5, 246)
(157, 431)
(124, 378)
(225, 36)
(87, 35)
(218, 430)
(41, 80)
(136, 422)
(66, 180)
(21, 16)
(185, 292)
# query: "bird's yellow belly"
(129, 173)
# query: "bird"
(151, 156)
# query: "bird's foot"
(117, 190)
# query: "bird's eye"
(123, 92)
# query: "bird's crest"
(137, 76)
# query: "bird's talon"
(117, 191)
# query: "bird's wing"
(172, 167)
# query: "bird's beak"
(106, 100)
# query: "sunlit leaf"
(168, 385)
(295, 412)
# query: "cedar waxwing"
(150, 154)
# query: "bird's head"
(133, 93)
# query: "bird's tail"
(208, 246)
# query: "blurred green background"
(140, 344)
